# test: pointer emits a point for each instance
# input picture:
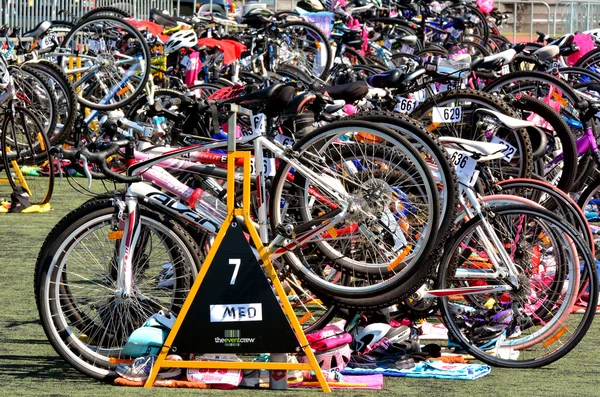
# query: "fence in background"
(28, 13)
(528, 16)
(554, 18)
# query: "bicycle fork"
(129, 219)
(490, 240)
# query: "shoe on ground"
(140, 369)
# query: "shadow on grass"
(13, 324)
(37, 367)
(24, 342)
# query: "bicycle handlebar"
(98, 158)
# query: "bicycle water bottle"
(208, 205)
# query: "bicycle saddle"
(391, 78)
(493, 61)
(39, 29)
(270, 100)
(489, 150)
(563, 41)
(547, 52)
(510, 122)
(162, 19)
(349, 93)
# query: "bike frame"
(503, 264)
(140, 191)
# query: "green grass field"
(30, 367)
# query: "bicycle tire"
(31, 152)
(322, 40)
(79, 351)
(532, 77)
(589, 75)
(37, 96)
(482, 50)
(112, 11)
(70, 114)
(559, 131)
(133, 33)
(553, 330)
(356, 297)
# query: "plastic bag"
(485, 6)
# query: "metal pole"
(531, 6)
(178, 7)
(515, 22)
(231, 127)
(554, 28)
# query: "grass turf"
(30, 367)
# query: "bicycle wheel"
(36, 94)
(25, 151)
(430, 149)
(469, 47)
(474, 125)
(85, 319)
(303, 45)
(116, 67)
(589, 202)
(574, 75)
(557, 140)
(385, 244)
(532, 326)
(390, 31)
(113, 11)
(66, 99)
(480, 27)
(555, 200)
(551, 198)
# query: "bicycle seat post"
(233, 109)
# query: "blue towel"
(429, 369)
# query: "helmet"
(182, 39)
(399, 334)
(335, 359)
(258, 16)
(150, 337)
(144, 341)
(368, 336)
(161, 320)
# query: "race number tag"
(510, 150)
(185, 62)
(405, 105)
(257, 122)
(284, 140)
(387, 44)
(47, 42)
(269, 167)
(407, 49)
(96, 45)
(464, 165)
(451, 114)
(505, 70)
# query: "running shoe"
(140, 369)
